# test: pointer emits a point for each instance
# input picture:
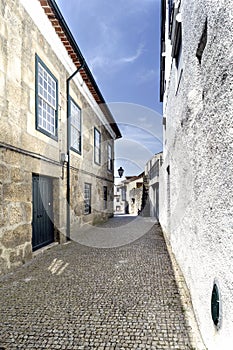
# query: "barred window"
(46, 100)
(75, 125)
(87, 198)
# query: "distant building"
(152, 172)
(134, 185)
(196, 211)
(119, 199)
(128, 195)
(56, 134)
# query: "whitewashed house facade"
(196, 211)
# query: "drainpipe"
(68, 150)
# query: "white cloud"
(133, 58)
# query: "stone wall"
(25, 31)
(196, 186)
(15, 211)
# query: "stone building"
(134, 186)
(56, 133)
(119, 199)
(152, 171)
(196, 197)
(128, 195)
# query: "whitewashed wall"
(198, 147)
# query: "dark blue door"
(42, 224)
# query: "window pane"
(97, 143)
(110, 165)
(46, 100)
(87, 198)
(75, 126)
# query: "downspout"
(68, 125)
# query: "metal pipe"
(68, 125)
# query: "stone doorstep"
(43, 249)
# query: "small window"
(105, 190)
(123, 194)
(202, 43)
(97, 146)
(87, 199)
(75, 126)
(46, 100)
(179, 57)
(110, 160)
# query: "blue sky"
(120, 41)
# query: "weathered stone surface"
(27, 252)
(27, 211)
(17, 175)
(16, 257)
(17, 192)
(16, 237)
(15, 214)
(4, 173)
(34, 152)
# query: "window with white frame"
(110, 160)
(75, 126)
(87, 198)
(97, 146)
(46, 100)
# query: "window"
(177, 50)
(123, 193)
(202, 43)
(110, 161)
(97, 149)
(105, 189)
(75, 126)
(46, 100)
(87, 199)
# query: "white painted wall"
(153, 181)
(198, 147)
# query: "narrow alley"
(75, 296)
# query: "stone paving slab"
(75, 296)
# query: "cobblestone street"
(75, 296)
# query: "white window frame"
(110, 158)
(75, 127)
(97, 146)
(87, 198)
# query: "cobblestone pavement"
(80, 297)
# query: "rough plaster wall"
(199, 150)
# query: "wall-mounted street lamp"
(120, 172)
